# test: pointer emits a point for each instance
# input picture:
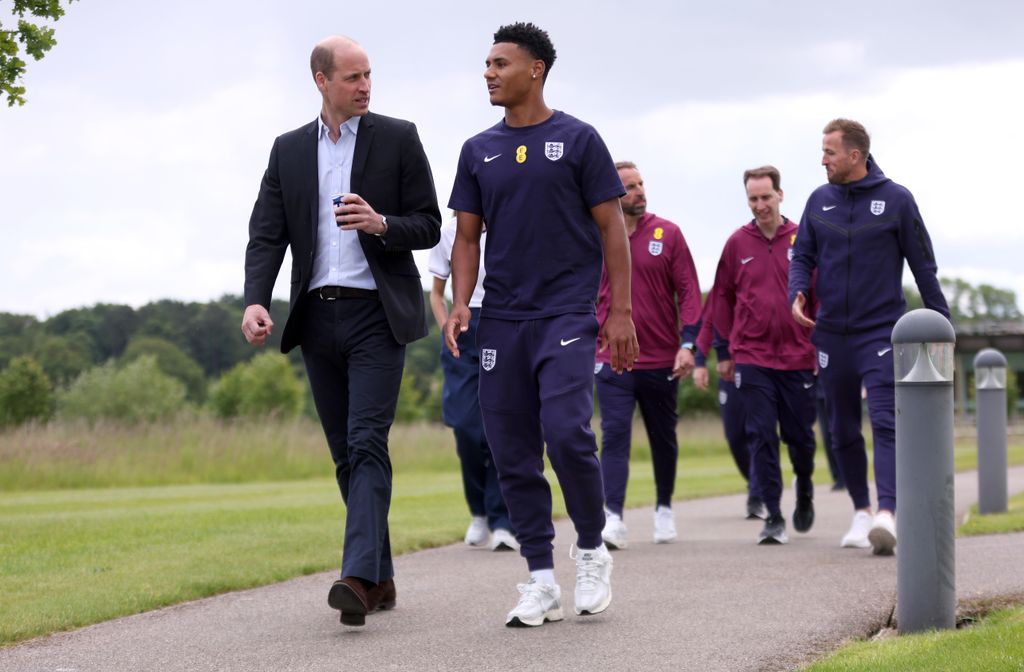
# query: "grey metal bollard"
(990, 388)
(925, 563)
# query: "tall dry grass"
(197, 448)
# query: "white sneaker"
(664, 525)
(477, 533)
(593, 579)
(502, 540)
(614, 532)
(883, 534)
(538, 603)
(857, 536)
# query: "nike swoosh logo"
(826, 208)
(746, 261)
(881, 353)
(571, 340)
(808, 386)
(488, 159)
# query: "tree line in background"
(115, 362)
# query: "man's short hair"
(855, 136)
(764, 171)
(623, 165)
(322, 60)
(532, 39)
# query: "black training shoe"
(803, 514)
(755, 508)
(774, 531)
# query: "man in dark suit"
(352, 195)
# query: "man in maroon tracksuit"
(772, 356)
(666, 306)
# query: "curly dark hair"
(531, 38)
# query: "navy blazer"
(390, 171)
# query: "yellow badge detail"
(792, 239)
(659, 233)
(521, 154)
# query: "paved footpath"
(713, 600)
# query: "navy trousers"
(845, 364)
(618, 395)
(734, 418)
(460, 406)
(777, 402)
(826, 439)
(355, 366)
(537, 387)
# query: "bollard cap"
(989, 357)
(923, 325)
(990, 370)
(923, 349)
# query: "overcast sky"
(130, 174)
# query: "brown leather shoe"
(349, 596)
(381, 597)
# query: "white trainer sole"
(549, 615)
(882, 541)
(595, 610)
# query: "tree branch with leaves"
(31, 36)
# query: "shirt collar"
(352, 123)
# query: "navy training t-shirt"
(534, 186)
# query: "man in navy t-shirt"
(548, 189)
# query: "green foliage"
(137, 392)
(410, 401)
(913, 297)
(983, 303)
(695, 401)
(172, 360)
(422, 377)
(225, 398)
(36, 39)
(25, 393)
(62, 357)
(1012, 392)
(267, 385)
(106, 327)
(16, 334)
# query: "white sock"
(543, 576)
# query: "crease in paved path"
(713, 600)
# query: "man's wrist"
(384, 225)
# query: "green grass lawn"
(995, 644)
(69, 558)
(996, 523)
(72, 557)
(113, 521)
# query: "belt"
(333, 293)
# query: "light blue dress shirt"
(339, 258)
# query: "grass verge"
(995, 643)
(69, 558)
(995, 523)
